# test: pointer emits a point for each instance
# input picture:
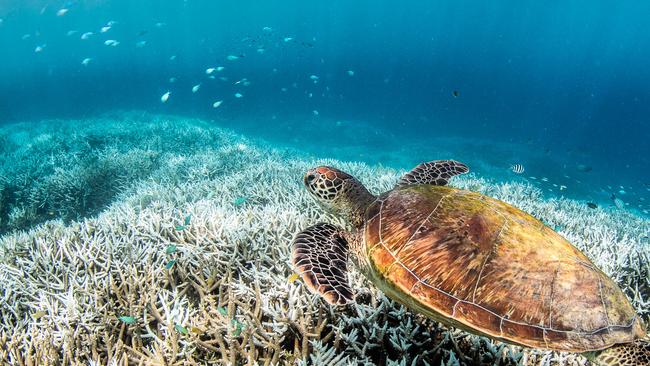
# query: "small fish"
(238, 95)
(267, 29)
(239, 201)
(140, 44)
(105, 29)
(261, 50)
(544, 179)
(62, 12)
(293, 278)
(232, 58)
(220, 68)
(314, 77)
(583, 168)
(562, 187)
(171, 249)
(288, 39)
(172, 57)
(239, 326)
(618, 202)
(25, 36)
(180, 329)
(87, 35)
(111, 23)
(71, 33)
(170, 264)
(179, 227)
(165, 97)
(592, 205)
(196, 88)
(315, 112)
(39, 314)
(187, 220)
(517, 168)
(621, 191)
(40, 48)
(86, 61)
(172, 79)
(210, 70)
(455, 93)
(160, 24)
(111, 42)
(127, 319)
(217, 104)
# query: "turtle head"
(327, 183)
(339, 191)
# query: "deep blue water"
(550, 85)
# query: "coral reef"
(170, 246)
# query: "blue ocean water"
(560, 88)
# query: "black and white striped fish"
(517, 168)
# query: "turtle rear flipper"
(436, 172)
(320, 257)
(628, 354)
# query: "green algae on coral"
(239, 201)
(171, 248)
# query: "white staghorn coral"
(186, 258)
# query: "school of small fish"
(109, 34)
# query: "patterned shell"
(481, 265)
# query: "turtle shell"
(481, 265)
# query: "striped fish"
(618, 202)
(517, 168)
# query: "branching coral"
(188, 262)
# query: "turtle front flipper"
(320, 257)
(436, 172)
(628, 354)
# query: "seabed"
(161, 240)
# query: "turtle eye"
(309, 179)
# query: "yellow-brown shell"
(479, 264)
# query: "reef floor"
(163, 240)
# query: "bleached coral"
(187, 261)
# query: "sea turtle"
(468, 261)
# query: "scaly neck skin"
(353, 201)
